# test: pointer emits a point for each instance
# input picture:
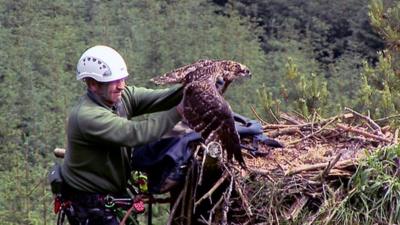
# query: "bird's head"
(234, 70)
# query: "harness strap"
(61, 213)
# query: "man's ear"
(91, 84)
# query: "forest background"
(305, 57)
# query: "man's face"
(110, 92)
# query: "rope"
(127, 214)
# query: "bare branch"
(374, 125)
(300, 169)
(211, 191)
(361, 132)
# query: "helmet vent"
(102, 67)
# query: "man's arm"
(142, 100)
(101, 125)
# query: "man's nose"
(121, 84)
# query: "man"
(101, 133)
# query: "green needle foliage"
(41, 42)
(380, 89)
(304, 55)
(303, 93)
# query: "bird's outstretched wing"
(208, 113)
(178, 75)
(204, 108)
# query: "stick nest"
(294, 184)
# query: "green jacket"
(100, 137)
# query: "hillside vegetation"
(306, 57)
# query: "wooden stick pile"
(319, 157)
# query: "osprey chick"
(204, 107)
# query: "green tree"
(380, 91)
(41, 43)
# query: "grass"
(370, 196)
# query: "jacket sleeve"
(142, 100)
(102, 125)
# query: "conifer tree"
(380, 90)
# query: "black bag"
(164, 161)
(55, 179)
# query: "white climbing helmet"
(101, 63)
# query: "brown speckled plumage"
(204, 107)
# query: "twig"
(296, 208)
(313, 134)
(395, 136)
(373, 124)
(287, 162)
(203, 220)
(299, 114)
(211, 191)
(196, 152)
(265, 173)
(330, 165)
(300, 169)
(342, 202)
(227, 197)
(387, 118)
(289, 130)
(213, 209)
(290, 119)
(313, 121)
(303, 126)
(358, 131)
(278, 126)
(246, 204)
(257, 116)
(185, 194)
(273, 115)
(278, 164)
(188, 199)
(202, 162)
(171, 216)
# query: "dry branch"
(211, 191)
(313, 133)
(361, 132)
(330, 165)
(395, 137)
(285, 131)
(290, 119)
(256, 115)
(367, 118)
(296, 208)
(174, 207)
(343, 163)
(244, 199)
